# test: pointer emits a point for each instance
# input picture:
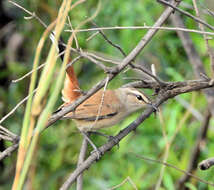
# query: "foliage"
(59, 145)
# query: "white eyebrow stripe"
(141, 94)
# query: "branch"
(81, 159)
(5, 134)
(206, 164)
(8, 151)
(143, 84)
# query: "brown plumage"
(105, 109)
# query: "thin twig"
(73, 61)
(15, 108)
(28, 74)
(139, 67)
(102, 58)
(142, 27)
(75, 37)
(143, 84)
(172, 166)
(2, 132)
(9, 133)
(90, 56)
(81, 159)
(92, 36)
(123, 182)
(109, 41)
(210, 53)
(101, 103)
(102, 66)
(33, 15)
(33, 70)
(187, 14)
(6, 138)
(207, 10)
(132, 64)
(8, 151)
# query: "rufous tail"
(71, 90)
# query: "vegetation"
(169, 135)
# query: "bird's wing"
(97, 107)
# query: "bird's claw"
(97, 152)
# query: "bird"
(107, 107)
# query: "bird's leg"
(99, 133)
(85, 135)
(109, 137)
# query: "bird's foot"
(96, 150)
(109, 137)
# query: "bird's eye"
(139, 97)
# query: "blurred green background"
(59, 145)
